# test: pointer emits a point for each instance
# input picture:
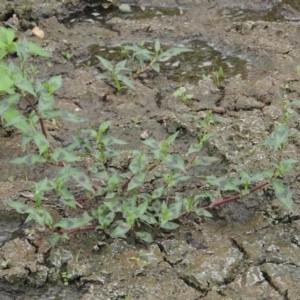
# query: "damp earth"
(250, 249)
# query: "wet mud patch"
(189, 67)
(104, 12)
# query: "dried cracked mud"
(253, 245)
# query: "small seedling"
(218, 76)
(66, 278)
(5, 264)
(67, 55)
(181, 92)
(117, 74)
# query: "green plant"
(67, 55)
(218, 76)
(181, 92)
(298, 69)
(66, 278)
(118, 74)
(149, 60)
(122, 200)
(146, 59)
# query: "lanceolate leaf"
(223, 183)
(63, 155)
(121, 229)
(145, 236)
(82, 179)
(174, 161)
(137, 181)
(14, 118)
(281, 134)
(204, 161)
(68, 116)
(26, 86)
(41, 142)
(29, 159)
(37, 50)
(283, 193)
(71, 223)
(173, 51)
(169, 226)
(7, 101)
(107, 65)
(19, 207)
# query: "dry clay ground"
(253, 244)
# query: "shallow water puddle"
(186, 67)
(286, 10)
(102, 15)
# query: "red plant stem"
(79, 229)
(236, 197)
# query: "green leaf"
(287, 164)
(41, 142)
(7, 37)
(281, 134)
(82, 179)
(283, 194)
(104, 126)
(104, 76)
(114, 206)
(49, 113)
(141, 209)
(121, 229)
(204, 161)
(56, 237)
(173, 52)
(60, 154)
(158, 192)
(107, 65)
(55, 83)
(108, 140)
(45, 103)
(157, 46)
(68, 116)
(175, 210)
(151, 143)
(203, 212)
(41, 216)
(137, 181)
(174, 161)
(145, 236)
(126, 81)
(6, 82)
(196, 147)
(25, 85)
(171, 139)
(149, 219)
(67, 198)
(169, 226)
(156, 206)
(29, 159)
(107, 220)
(72, 223)
(7, 101)
(37, 50)
(156, 67)
(223, 183)
(19, 206)
(139, 163)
